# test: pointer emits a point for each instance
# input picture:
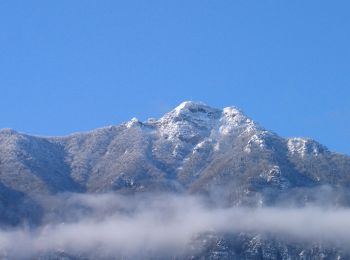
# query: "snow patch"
(190, 105)
(188, 122)
(256, 139)
(133, 122)
(275, 177)
(233, 120)
(303, 146)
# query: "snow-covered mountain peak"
(186, 105)
(189, 121)
(193, 109)
(195, 118)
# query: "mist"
(112, 224)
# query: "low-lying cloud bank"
(113, 224)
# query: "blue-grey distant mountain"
(193, 149)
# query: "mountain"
(194, 149)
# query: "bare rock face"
(193, 149)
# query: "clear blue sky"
(68, 66)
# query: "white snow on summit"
(190, 120)
(134, 121)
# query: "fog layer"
(131, 225)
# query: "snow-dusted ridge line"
(197, 118)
